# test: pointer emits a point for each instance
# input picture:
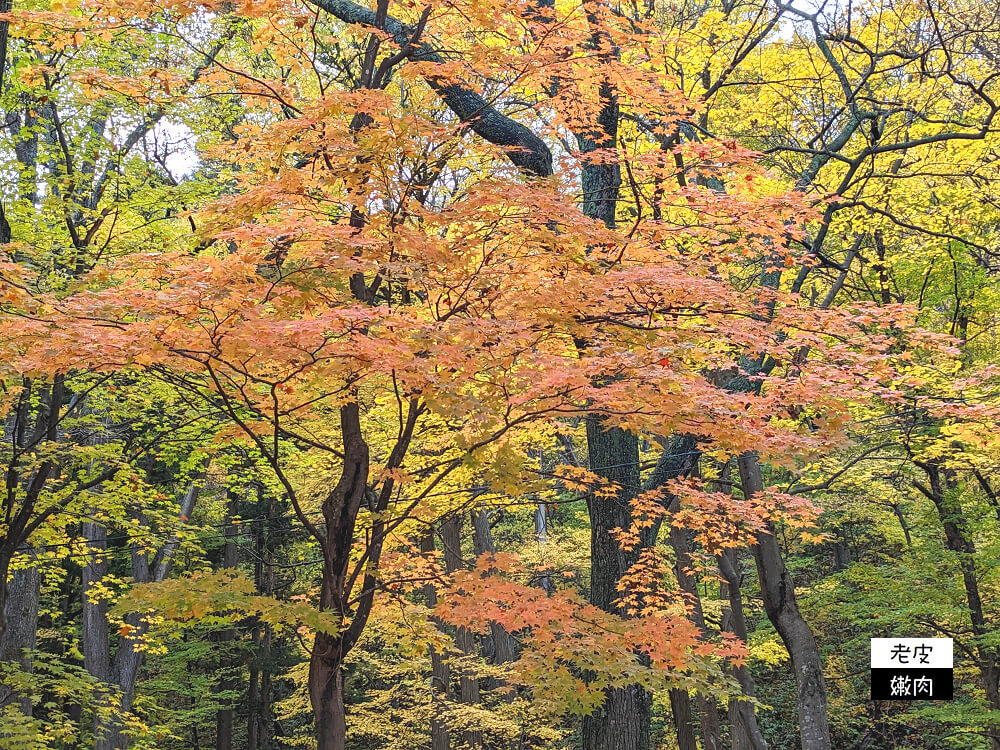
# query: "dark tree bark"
(781, 606)
(623, 720)
(742, 717)
(958, 539)
(260, 717)
(440, 673)
(340, 510)
(18, 640)
(504, 648)
(680, 708)
(465, 639)
(230, 559)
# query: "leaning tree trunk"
(958, 540)
(778, 593)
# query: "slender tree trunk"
(96, 643)
(778, 593)
(742, 717)
(230, 559)
(542, 536)
(708, 712)
(959, 541)
(253, 694)
(440, 674)
(468, 684)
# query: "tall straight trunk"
(742, 717)
(778, 593)
(96, 643)
(20, 612)
(230, 559)
(482, 544)
(542, 537)
(326, 692)
(468, 684)
(708, 712)
(680, 708)
(622, 722)
(259, 714)
(440, 674)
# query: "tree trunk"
(708, 712)
(680, 707)
(96, 643)
(20, 613)
(440, 674)
(959, 541)
(542, 536)
(326, 692)
(778, 593)
(742, 718)
(482, 544)
(230, 559)
(123, 671)
(465, 639)
(622, 723)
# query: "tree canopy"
(489, 374)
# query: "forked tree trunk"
(123, 671)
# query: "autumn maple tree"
(434, 263)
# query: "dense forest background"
(514, 374)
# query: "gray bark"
(504, 647)
(230, 559)
(21, 615)
(123, 672)
(781, 606)
(745, 732)
(440, 673)
(465, 639)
